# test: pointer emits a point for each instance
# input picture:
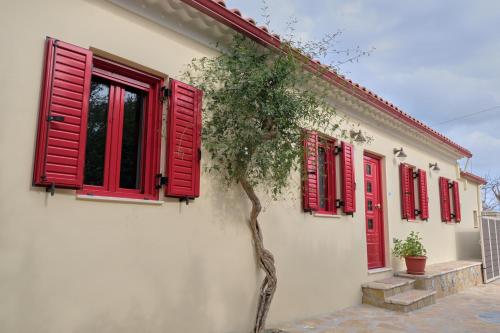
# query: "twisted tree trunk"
(264, 257)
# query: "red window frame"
(121, 76)
(330, 174)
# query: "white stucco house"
(86, 116)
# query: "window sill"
(327, 215)
(379, 270)
(115, 199)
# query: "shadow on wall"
(468, 245)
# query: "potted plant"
(413, 251)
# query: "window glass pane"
(370, 205)
(370, 223)
(96, 133)
(368, 169)
(322, 181)
(130, 165)
(369, 187)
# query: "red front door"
(373, 213)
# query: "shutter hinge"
(185, 199)
(165, 93)
(339, 203)
(161, 180)
(51, 189)
(337, 150)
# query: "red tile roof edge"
(232, 18)
(473, 177)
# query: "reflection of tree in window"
(130, 167)
(96, 133)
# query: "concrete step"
(376, 292)
(410, 300)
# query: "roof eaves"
(473, 177)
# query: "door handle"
(378, 206)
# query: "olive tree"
(257, 102)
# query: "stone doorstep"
(406, 292)
(409, 297)
(389, 283)
(440, 269)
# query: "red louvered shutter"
(348, 178)
(422, 195)
(310, 179)
(184, 141)
(456, 202)
(444, 195)
(62, 124)
(404, 174)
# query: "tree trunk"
(264, 257)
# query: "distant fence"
(490, 245)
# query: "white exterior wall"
(71, 265)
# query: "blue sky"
(437, 60)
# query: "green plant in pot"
(413, 251)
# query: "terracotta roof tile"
(236, 11)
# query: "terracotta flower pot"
(415, 265)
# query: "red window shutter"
(310, 178)
(406, 194)
(62, 124)
(423, 195)
(184, 141)
(348, 178)
(444, 193)
(456, 202)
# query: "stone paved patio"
(475, 310)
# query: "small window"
(119, 157)
(369, 187)
(368, 170)
(476, 219)
(370, 224)
(132, 139)
(97, 127)
(100, 128)
(326, 177)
